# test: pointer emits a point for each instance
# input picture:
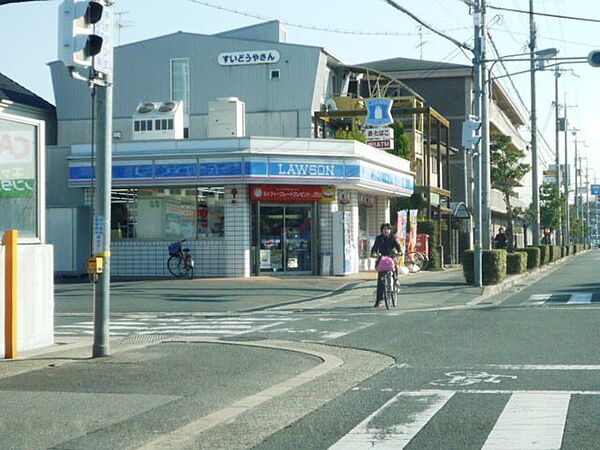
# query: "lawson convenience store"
(246, 206)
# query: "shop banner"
(17, 160)
(412, 233)
(291, 193)
(401, 231)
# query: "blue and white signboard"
(379, 112)
(595, 189)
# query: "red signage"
(291, 193)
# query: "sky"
(29, 33)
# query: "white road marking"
(539, 299)
(367, 435)
(585, 297)
(544, 366)
(530, 421)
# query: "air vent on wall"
(145, 108)
(167, 106)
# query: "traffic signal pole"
(102, 217)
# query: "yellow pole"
(10, 291)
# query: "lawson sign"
(317, 170)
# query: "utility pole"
(560, 234)
(535, 226)
(486, 183)
(577, 163)
(477, 94)
(587, 200)
(567, 179)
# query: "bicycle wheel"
(388, 290)
(175, 266)
(189, 268)
(415, 261)
(395, 293)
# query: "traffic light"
(78, 42)
(593, 58)
(470, 132)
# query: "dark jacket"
(384, 245)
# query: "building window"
(149, 125)
(167, 213)
(19, 195)
(180, 82)
(275, 74)
(164, 124)
(142, 125)
(157, 124)
(136, 125)
(169, 124)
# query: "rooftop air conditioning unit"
(158, 120)
(226, 118)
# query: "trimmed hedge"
(493, 266)
(544, 254)
(555, 253)
(516, 263)
(430, 227)
(533, 256)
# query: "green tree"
(353, 134)
(401, 142)
(550, 208)
(507, 170)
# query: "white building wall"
(35, 297)
(382, 211)
(237, 231)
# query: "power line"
(311, 27)
(429, 27)
(556, 16)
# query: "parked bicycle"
(180, 263)
(391, 285)
(415, 261)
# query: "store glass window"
(18, 174)
(167, 213)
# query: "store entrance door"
(285, 236)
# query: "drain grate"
(143, 338)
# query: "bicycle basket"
(386, 264)
(175, 248)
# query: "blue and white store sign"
(248, 57)
(379, 112)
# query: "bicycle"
(415, 261)
(180, 263)
(391, 287)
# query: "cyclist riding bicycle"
(385, 245)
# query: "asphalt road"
(520, 371)
(524, 373)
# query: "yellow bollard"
(10, 291)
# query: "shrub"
(573, 249)
(555, 253)
(493, 266)
(516, 263)
(563, 251)
(430, 227)
(533, 256)
(544, 254)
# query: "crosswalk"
(176, 325)
(528, 420)
(575, 298)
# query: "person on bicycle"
(385, 245)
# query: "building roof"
(409, 65)
(13, 91)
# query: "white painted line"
(530, 421)
(368, 436)
(274, 324)
(579, 298)
(544, 366)
(539, 299)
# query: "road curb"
(490, 291)
(243, 409)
